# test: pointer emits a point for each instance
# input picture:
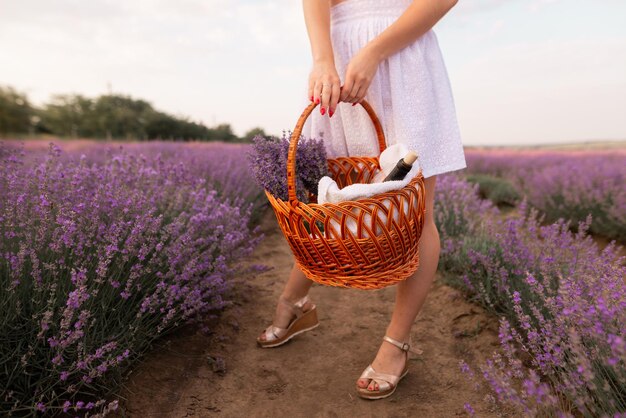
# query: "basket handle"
(295, 137)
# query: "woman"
(385, 52)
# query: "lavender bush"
(268, 163)
(570, 185)
(562, 302)
(223, 166)
(500, 191)
(99, 256)
(574, 337)
(459, 214)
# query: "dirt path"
(224, 373)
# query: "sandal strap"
(370, 373)
(406, 347)
(295, 308)
(300, 303)
(275, 333)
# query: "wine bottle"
(402, 168)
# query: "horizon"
(598, 144)
(522, 72)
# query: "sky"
(522, 71)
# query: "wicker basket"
(384, 249)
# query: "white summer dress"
(410, 93)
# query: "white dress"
(410, 93)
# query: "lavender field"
(560, 299)
(570, 185)
(106, 247)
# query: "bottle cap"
(410, 158)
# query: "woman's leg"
(296, 288)
(410, 295)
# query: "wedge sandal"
(387, 383)
(302, 322)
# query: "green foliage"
(163, 126)
(16, 114)
(248, 136)
(500, 191)
(121, 117)
(115, 116)
(68, 115)
(108, 116)
(224, 132)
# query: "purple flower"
(569, 185)
(563, 301)
(268, 163)
(108, 247)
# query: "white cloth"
(410, 93)
(329, 192)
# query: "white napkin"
(329, 192)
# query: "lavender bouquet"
(268, 163)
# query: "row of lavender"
(104, 249)
(568, 185)
(562, 302)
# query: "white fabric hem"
(442, 170)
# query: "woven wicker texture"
(379, 250)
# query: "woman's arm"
(324, 80)
(417, 19)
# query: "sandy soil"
(223, 373)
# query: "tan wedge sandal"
(387, 383)
(303, 321)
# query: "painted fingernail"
(330, 113)
(317, 101)
(311, 98)
(323, 111)
(354, 104)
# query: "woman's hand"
(359, 74)
(324, 86)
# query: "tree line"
(110, 116)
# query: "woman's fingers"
(317, 91)
(351, 96)
(334, 99)
(324, 87)
(355, 86)
(360, 94)
(346, 89)
(327, 90)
